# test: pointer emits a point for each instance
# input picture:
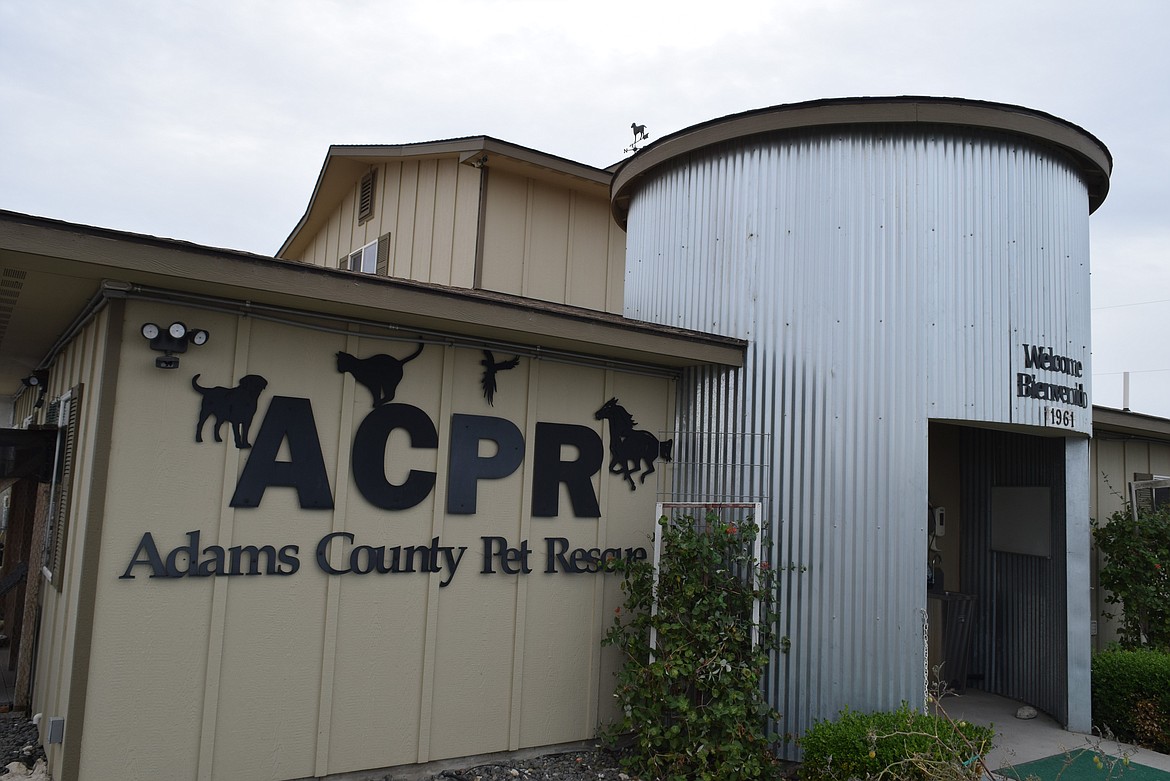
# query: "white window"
(365, 260)
(374, 258)
(1148, 492)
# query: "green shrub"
(1131, 696)
(697, 710)
(901, 744)
(1136, 574)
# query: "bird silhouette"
(490, 367)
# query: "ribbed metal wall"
(885, 275)
(1019, 641)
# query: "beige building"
(341, 510)
(470, 213)
(1127, 446)
(391, 556)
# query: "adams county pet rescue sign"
(289, 421)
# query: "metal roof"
(54, 271)
(1090, 155)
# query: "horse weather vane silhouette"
(640, 134)
(629, 447)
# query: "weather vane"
(640, 134)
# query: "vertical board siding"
(61, 641)
(318, 675)
(504, 234)
(551, 243)
(424, 221)
(884, 276)
(402, 256)
(430, 209)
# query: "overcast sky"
(208, 121)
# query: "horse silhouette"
(629, 447)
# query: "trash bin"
(958, 615)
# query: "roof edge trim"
(465, 147)
(1095, 161)
(130, 258)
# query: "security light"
(172, 342)
(36, 380)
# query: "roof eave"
(1091, 156)
(52, 247)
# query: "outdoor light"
(38, 380)
(172, 341)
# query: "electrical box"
(56, 730)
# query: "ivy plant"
(693, 704)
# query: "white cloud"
(208, 120)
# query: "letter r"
(549, 471)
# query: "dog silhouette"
(234, 406)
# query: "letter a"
(153, 560)
(290, 418)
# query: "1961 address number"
(1055, 416)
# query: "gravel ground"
(589, 764)
(592, 764)
(19, 741)
(16, 735)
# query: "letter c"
(323, 559)
(369, 456)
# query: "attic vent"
(11, 283)
(366, 196)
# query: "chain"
(925, 659)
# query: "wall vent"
(11, 283)
(366, 196)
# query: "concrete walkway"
(1024, 740)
